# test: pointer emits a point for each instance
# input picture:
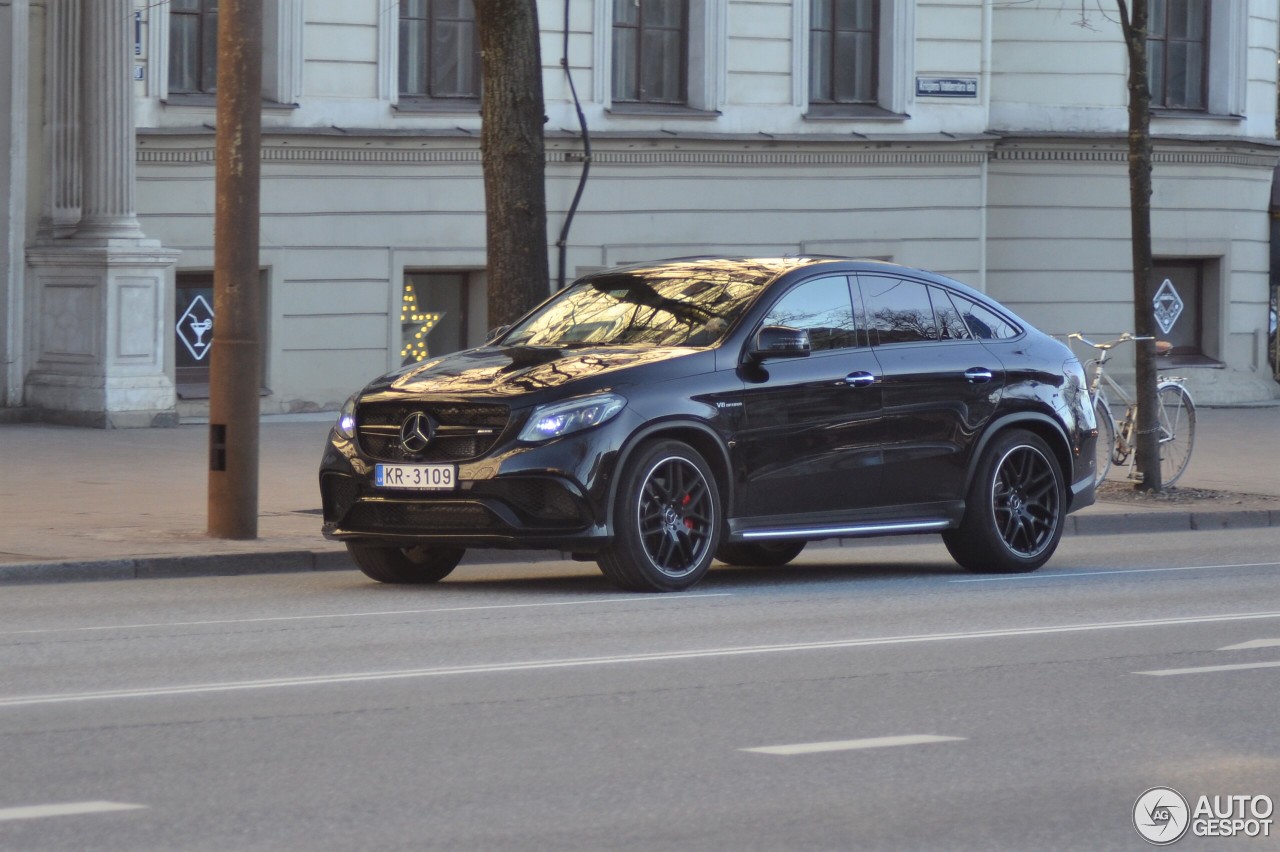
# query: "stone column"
(108, 131)
(62, 119)
(101, 311)
(14, 74)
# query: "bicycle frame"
(1123, 430)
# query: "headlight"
(346, 425)
(563, 418)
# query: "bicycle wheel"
(1177, 415)
(1106, 439)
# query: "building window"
(1178, 53)
(1179, 306)
(439, 49)
(853, 58)
(650, 51)
(843, 61)
(433, 315)
(193, 330)
(193, 46)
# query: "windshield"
(673, 305)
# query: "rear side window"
(898, 311)
(951, 325)
(984, 323)
(822, 308)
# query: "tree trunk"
(1148, 438)
(511, 144)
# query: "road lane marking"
(1070, 575)
(68, 809)
(370, 614)
(1234, 667)
(1253, 643)
(580, 662)
(853, 745)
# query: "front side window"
(193, 47)
(650, 51)
(439, 49)
(1178, 53)
(823, 309)
(843, 37)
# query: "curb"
(305, 561)
(169, 567)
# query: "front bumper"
(553, 495)
(518, 511)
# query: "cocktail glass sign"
(195, 328)
(1168, 306)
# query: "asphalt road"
(889, 703)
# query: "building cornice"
(195, 147)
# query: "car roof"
(761, 270)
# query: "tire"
(761, 554)
(1177, 415)
(666, 520)
(405, 564)
(1106, 439)
(1015, 509)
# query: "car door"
(940, 387)
(810, 442)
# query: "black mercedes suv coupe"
(655, 417)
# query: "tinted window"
(950, 325)
(671, 305)
(821, 308)
(983, 323)
(899, 311)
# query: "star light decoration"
(415, 348)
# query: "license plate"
(416, 477)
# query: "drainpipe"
(562, 244)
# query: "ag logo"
(1161, 815)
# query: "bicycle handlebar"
(1124, 338)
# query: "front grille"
(419, 517)
(463, 431)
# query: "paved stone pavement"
(81, 503)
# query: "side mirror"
(779, 341)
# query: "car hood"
(506, 371)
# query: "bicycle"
(1175, 412)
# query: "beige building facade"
(984, 140)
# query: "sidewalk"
(80, 504)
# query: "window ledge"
(845, 112)
(211, 102)
(1192, 115)
(460, 106)
(199, 100)
(630, 110)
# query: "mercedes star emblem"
(415, 432)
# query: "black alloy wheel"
(667, 520)
(1015, 509)
(429, 564)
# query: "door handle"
(860, 379)
(977, 375)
